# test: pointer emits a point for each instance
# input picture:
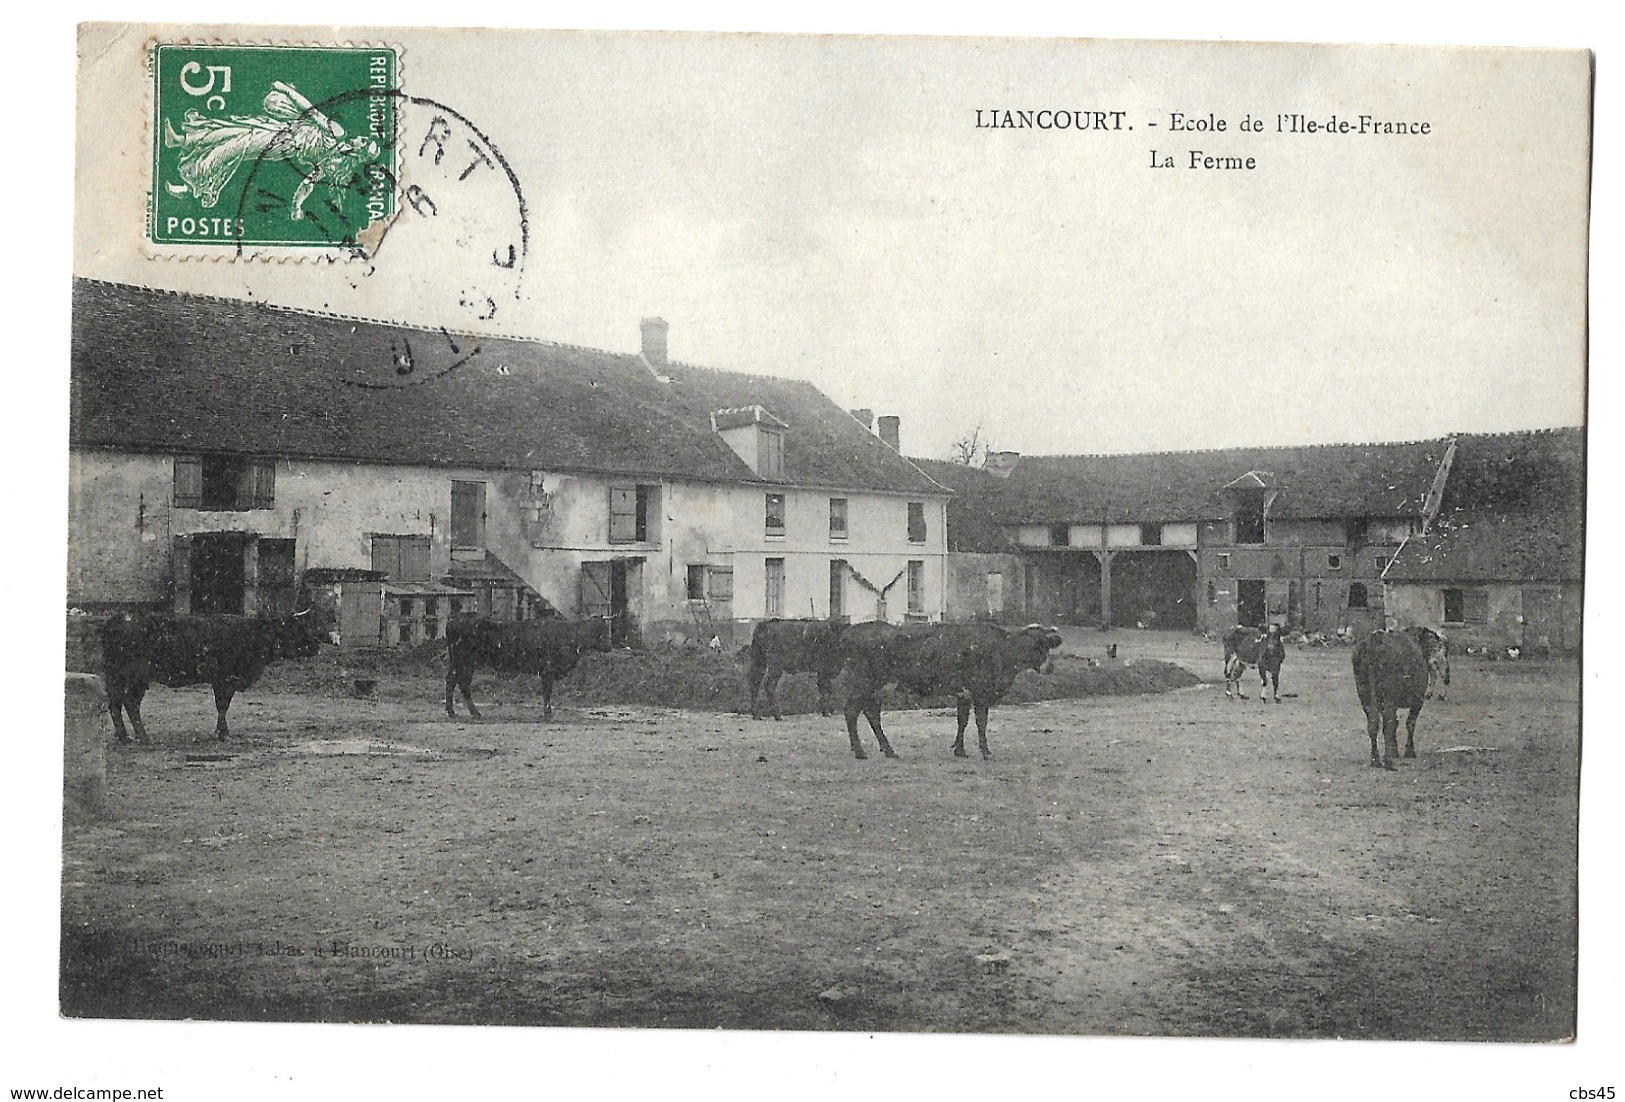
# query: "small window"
(222, 483)
(696, 581)
(1357, 595)
(1224, 560)
(916, 586)
(403, 558)
(1151, 535)
(775, 514)
(837, 518)
(1466, 606)
(1334, 562)
(1060, 535)
(720, 583)
(916, 522)
(1455, 608)
(772, 454)
(629, 508)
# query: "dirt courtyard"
(1173, 864)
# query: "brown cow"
(228, 653)
(791, 646)
(976, 663)
(1390, 672)
(548, 648)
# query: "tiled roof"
(1482, 546)
(1514, 510)
(163, 371)
(1332, 480)
(972, 511)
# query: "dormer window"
(771, 454)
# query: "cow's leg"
(1372, 720)
(222, 701)
(825, 684)
(465, 685)
(854, 708)
(451, 687)
(873, 713)
(770, 685)
(1410, 732)
(115, 708)
(962, 702)
(981, 731)
(1390, 736)
(1228, 670)
(132, 704)
(755, 677)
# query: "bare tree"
(969, 451)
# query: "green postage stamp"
(272, 146)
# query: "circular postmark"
(420, 208)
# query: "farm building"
(223, 453)
(1502, 564)
(987, 576)
(1206, 539)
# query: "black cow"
(226, 652)
(793, 646)
(1390, 672)
(1437, 652)
(976, 663)
(1243, 647)
(548, 648)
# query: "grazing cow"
(226, 652)
(976, 663)
(548, 648)
(1390, 672)
(1243, 647)
(1437, 652)
(793, 646)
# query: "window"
(775, 515)
(837, 518)
(629, 513)
(1357, 595)
(837, 588)
(221, 483)
(720, 583)
(1060, 535)
(1334, 562)
(771, 455)
(468, 515)
(1224, 560)
(1466, 606)
(1250, 517)
(773, 602)
(1212, 595)
(1151, 535)
(696, 581)
(916, 586)
(403, 558)
(916, 522)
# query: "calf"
(548, 648)
(793, 646)
(1437, 652)
(976, 663)
(1243, 647)
(1390, 672)
(227, 653)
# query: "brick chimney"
(865, 417)
(890, 429)
(1002, 464)
(654, 341)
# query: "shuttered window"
(403, 558)
(224, 483)
(916, 586)
(468, 514)
(262, 484)
(774, 596)
(775, 514)
(188, 482)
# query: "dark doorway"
(1154, 589)
(1250, 603)
(217, 573)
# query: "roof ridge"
(1245, 448)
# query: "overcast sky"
(827, 208)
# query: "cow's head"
(1039, 643)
